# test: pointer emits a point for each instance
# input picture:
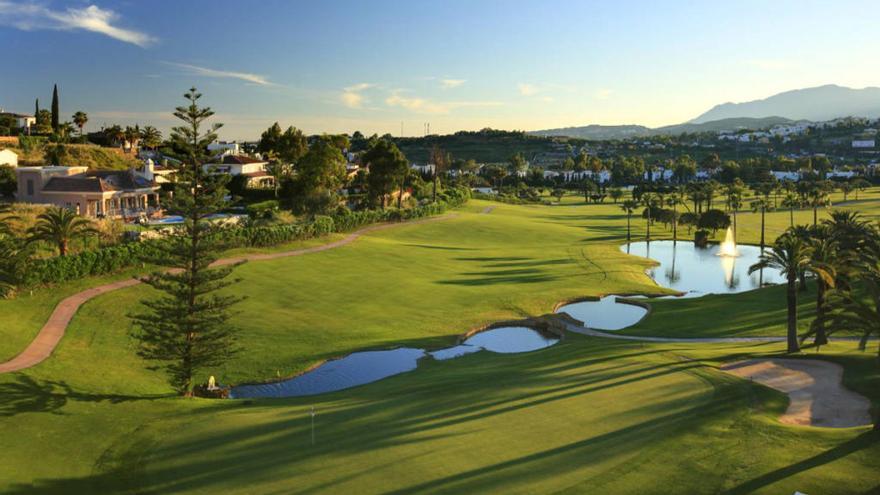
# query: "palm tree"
(791, 201)
(791, 255)
(675, 199)
(735, 203)
(629, 206)
(823, 259)
(649, 200)
(60, 226)
(761, 205)
(151, 137)
(116, 134)
(817, 196)
(80, 118)
(133, 136)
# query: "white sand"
(815, 389)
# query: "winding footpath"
(52, 332)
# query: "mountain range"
(811, 104)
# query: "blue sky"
(345, 66)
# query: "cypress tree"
(37, 111)
(186, 329)
(55, 109)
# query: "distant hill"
(600, 132)
(731, 124)
(596, 132)
(817, 104)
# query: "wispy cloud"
(415, 104)
(526, 89)
(603, 94)
(451, 83)
(424, 105)
(32, 16)
(223, 74)
(352, 96)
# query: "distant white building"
(840, 174)
(8, 157)
(254, 169)
(427, 168)
(782, 175)
(863, 143)
(225, 148)
(23, 121)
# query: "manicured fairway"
(588, 415)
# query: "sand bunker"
(817, 395)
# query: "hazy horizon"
(458, 66)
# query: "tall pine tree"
(55, 110)
(186, 329)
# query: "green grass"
(587, 415)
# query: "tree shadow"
(27, 395)
(441, 248)
(858, 443)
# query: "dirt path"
(44, 343)
(815, 389)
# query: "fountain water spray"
(728, 247)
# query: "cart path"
(53, 330)
(571, 327)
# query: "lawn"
(587, 415)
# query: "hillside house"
(255, 170)
(125, 194)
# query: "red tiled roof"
(75, 184)
(98, 181)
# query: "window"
(30, 187)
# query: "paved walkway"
(44, 343)
(571, 327)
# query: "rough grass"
(588, 415)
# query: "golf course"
(586, 415)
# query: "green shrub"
(115, 258)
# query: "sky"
(382, 66)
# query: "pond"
(364, 367)
(605, 314)
(177, 219)
(697, 271)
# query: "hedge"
(112, 259)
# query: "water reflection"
(698, 271)
(360, 368)
(605, 314)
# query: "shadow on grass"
(858, 443)
(442, 248)
(26, 395)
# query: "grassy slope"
(586, 415)
(85, 155)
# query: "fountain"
(728, 247)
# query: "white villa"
(8, 157)
(252, 168)
(23, 121)
(223, 148)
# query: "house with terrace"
(254, 169)
(125, 194)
